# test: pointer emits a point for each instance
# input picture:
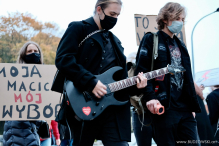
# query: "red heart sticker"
(86, 110)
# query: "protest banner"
(147, 23)
(25, 92)
(208, 77)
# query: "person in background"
(30, 53)
(141, 127)
(175, 92)
(141, 130)
(65, 135)
(2, 127)
(24, 133)
(213, 106)
(198, 90)
(203, 123)
(53, 131)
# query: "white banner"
(25, 92)
(207, 78)
(147, 23)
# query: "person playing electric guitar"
(80, 63)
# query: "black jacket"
(64, 132)
(81, 64)
(21, 133)
(143, 62)
(213, 107)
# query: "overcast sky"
(62, 12)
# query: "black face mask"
(32, 58)
(108, 22)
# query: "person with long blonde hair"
(175, 92)
(87, 49)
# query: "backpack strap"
(154, 56)
(155, 49)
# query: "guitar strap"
(155, 50)
(89, 35)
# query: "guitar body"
(85, 105)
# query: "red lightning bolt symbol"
(205, 75)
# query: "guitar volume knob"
(94, 113)
(97, 103)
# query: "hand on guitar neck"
(155, 107)
(141, 81)
(100, 89)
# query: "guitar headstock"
(175, 69)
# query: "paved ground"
(132, 143)
(99, 143)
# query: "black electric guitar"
(87, 107)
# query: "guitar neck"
(119, 85)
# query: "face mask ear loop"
(103, 11)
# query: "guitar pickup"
(108, 94)
(87, 96)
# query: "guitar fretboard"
(116, 86)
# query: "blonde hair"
(170, 11)
(22, 52)
(104, 3)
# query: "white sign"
(25, 92)
(207, 78)
(147, 23)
